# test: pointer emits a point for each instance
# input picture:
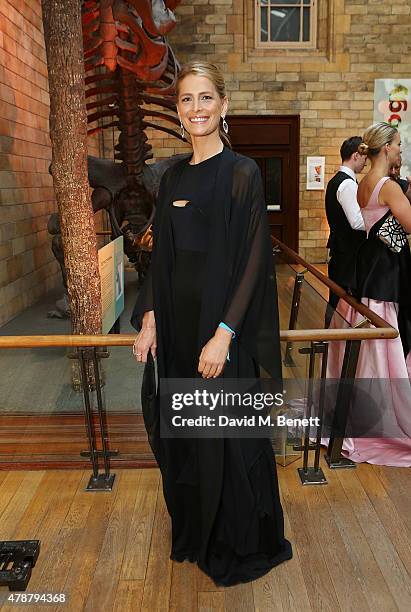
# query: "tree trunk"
(68, 132)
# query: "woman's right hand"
(146, 339)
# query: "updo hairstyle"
(376, 137)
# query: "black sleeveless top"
(190, 223)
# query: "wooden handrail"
(297, 335)
(373, 318)
(381, 329)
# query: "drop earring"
(225, 126)
(181, 129)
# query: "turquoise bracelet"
(224, 326)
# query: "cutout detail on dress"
(181, 203)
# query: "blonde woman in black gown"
(211, 291)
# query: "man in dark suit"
(347, 230)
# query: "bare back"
(366, 189)
(375, 192)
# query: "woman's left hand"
(214, 354)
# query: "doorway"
(273, 142)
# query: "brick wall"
(27, 265)
(331, 88)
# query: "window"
(286, 23)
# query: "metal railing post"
(295, 306)
(324, 350)
(109, 478)
(91, 434)
(314, 475)
(97, 482)
(333, 456)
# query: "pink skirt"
(383, 359)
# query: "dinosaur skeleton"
(129, 69)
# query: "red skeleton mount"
(130, 82)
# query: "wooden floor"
(110, 551)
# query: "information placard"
(315, 173)
(111, 266)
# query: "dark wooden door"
(273, 141)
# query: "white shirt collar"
(348, 171)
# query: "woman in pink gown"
(384, 285)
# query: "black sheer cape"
(240, 285)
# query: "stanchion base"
(101, 483)
(341, 463)
(312, 477)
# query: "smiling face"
(199, 105)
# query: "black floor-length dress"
(222, 494)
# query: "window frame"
(311, 44)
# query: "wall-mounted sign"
(392, 104)
(315, 172)
(111, 266)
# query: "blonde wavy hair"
(375, 137)
(211, 72)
